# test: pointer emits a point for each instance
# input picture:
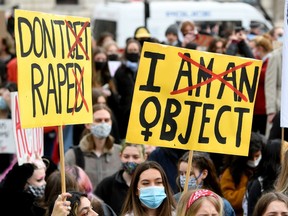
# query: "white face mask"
(252, 163)
(101, 130)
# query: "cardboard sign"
(29, 142)
(54, 69)
(193, 100)
(7, 142)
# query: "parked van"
(122, 19)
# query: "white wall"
(84, 8)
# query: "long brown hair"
(184, 210)
(282, 182)
(202, 162)
(265, 201)
(53, 189)
(132, 202)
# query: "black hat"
(172, 29)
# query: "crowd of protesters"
(106, 176)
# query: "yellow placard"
(193, 100)
(54, 69)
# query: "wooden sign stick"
(61, 155)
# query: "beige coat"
(96, 167)
(273, 82)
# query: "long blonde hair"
(183, 209)
(282, 182)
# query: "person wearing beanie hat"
(172, 38)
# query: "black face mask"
(100, 65)
(133, 57)
(113, 57)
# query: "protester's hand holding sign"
(62, 206)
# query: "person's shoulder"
(70, 152)
(254, 184)
(226, 175)
(117, 147)
(228, 209)
(226, 203)
(107, 181)
(120, 70)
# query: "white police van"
(122, 18)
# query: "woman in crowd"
(101, 155)
(45, 205)
(102, 79)
(77, 204)
(85, 186)
(272, 203)
(262, 50)
(239, 171)
(202, 176)
(200, 202)
(217, 45)
(23, 185)
(112, 50)
(75, 180)
(266, 174)
(80, 204)
(101, 76)
(189, 32)
(282, 181)
(149, 192)
(118, 184)
(124, 79)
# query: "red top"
(260, 102)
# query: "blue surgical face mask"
(192, 183)
(153, 196)
(3, 104)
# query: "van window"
(101, 25)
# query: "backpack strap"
(79, 157)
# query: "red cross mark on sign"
(214, 76)
(77, 39)
(79, 90)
